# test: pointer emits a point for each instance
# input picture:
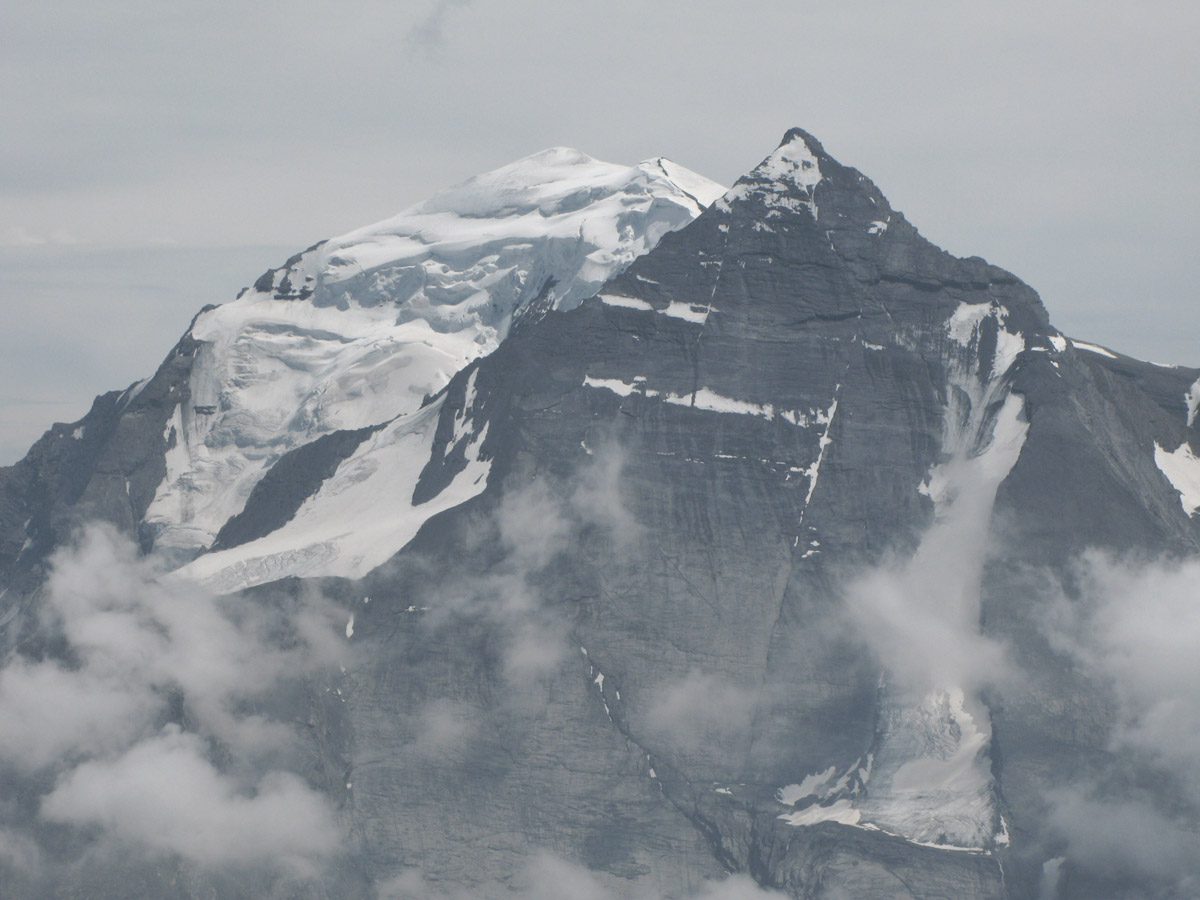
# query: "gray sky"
(159, 156)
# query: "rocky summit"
(599, 531)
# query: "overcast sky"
(158, 156)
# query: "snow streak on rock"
(1182, 468)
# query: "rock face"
(745, 560)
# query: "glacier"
(359, 330)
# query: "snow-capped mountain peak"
(796, 549)
(786, 179)
(357, 330)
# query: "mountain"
(670, 534)
(348, 336)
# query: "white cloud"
(51, 714)
(1144, 636)
(1136, 626)
(596, 499)
(1125, 838)
(19, 852)
(138, 650)
(921, 616)
(164, 794)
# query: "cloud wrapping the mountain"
(699, 708)
(920, 615)
(1133, 626)
(151, 724)
(523, 535)
(165, 794)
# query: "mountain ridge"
(747, 562)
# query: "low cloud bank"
(164, 793)
(150, 727)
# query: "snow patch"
(1182, 469)
(625, 302)
(1192, 399)
(814, 469)
(1092, 348)
(703, 398)
(963, 328)
(617, 386)
(964, 321)
(688, 312)
(841, 811)
(1008, 346)
(1003, 838)
(809, 786)
(710, 401)
(132, 392)
(360, 517)
(793, 164)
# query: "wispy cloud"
(921, 615)
(165, 794)
(698, 710)
(153, 728)
(530, 527)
